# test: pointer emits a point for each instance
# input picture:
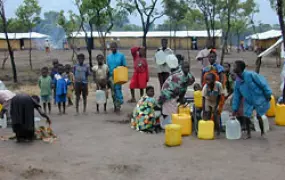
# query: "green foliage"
(29, 13)
(69, 25)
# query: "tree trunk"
(238, 40)
(207, 27)
(144, 40)
(280, 17)
(188, 47)
(170, 30)
(258, 64)
(225, 43)
(4, 60)
(175, 47)
(30, 50)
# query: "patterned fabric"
(229, 82)
(144, 117)
(175, 85)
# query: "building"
(129, 39)
(263, 40)
(20, 41)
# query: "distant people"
(45, 85)
(141, 75)
(114, 60)
(81, 73)
(256, 93)
(100, 75)
(160, 58)
(47, 46)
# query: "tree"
(4, 22)
(69, 25)
(29, 13)
(176, 11)
(148, 13)
(121, 19)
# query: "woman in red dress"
(140, 76)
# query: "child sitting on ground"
(61, 83)
(45, 83)
(212, 92)
(100, 75)
(70, 89)
(144, 117)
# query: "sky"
(266, 15)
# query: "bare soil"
(103, 146)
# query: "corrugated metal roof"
(137, 34)
(265, 35)
(34, 35)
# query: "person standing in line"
(255, 91)
(70, 76)
(114, 60)
(162, 67)
(53, 72)
(45, 84)
(81, 73)
(140, 76)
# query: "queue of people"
(249, 90)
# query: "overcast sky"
(266, 14)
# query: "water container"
(225, 116)
(265, 124)
(37, 122)
(233, 129)
(3, 122)
(2, 86)
(272, 111)
(184, 110)
(173, 136)
(198, 99)
(1, 107)
(184, 120)
(120, 75)
(206, 130)
(280, 115)
(100, 97)
(256, 124)
(165, 121)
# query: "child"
(212, 92)
(100, 73)
(70, 89)
(81, 73)
(140, 76)
(229, 80)
(53, 72)
(144, 117)
(45, 83)
(197, 88)
(61, 88)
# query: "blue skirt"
(60, 98)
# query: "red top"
(140, 64)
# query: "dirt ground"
(103, 146)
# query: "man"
(256, 93)
(47, 47)
(160, 58)
(114, 60)
(81, 73)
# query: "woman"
(22, 113)
(174, 90)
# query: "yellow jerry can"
(280, 115)
(184, 110)
(272, 111)
(173, 136)
(184, 120)
(120, 75)
(1, 107)
(206, 129)
(198, 99)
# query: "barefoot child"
(212, 92)
(53, 72)
(100, 74)
(70, 89)
(229, 87)
(61, 89)
(45, 83)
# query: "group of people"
(246, 90)
(249, 91)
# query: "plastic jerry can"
(280, 115)
(184, 110)
(1, 107)
(3, 122)
(100, 97)
(173, 136)
(233, 129)
(225, 116)
(198, 99)
(272, 110)
(265, 124)
(120, 75)
(184, 120)
(206, 129)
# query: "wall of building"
(14, 43)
